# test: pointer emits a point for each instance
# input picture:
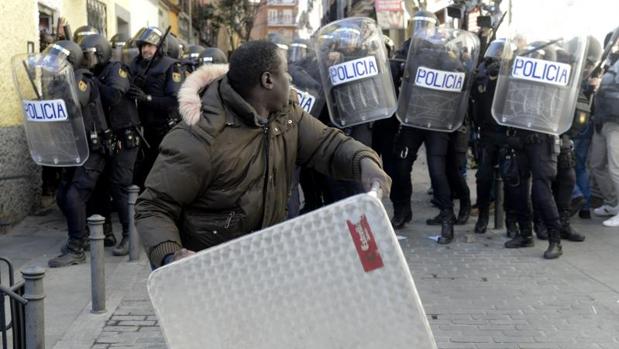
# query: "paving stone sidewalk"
(476, 293)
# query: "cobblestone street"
(476, 293)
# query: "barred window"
(97, 15)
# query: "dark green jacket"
(227, 174)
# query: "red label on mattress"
(365, 243)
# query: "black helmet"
(129, 52)
(424, 21)
(119, 40)
(148, 35)
(192, 53)
(299, 49)
(84, 30)
(62, 50)
(212, 55)
(173, 48)
(96, 49)
(495, 49)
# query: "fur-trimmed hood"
(189, 100)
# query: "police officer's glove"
(138, 94)
(371, 173)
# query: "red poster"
(365, 243)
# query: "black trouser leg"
(120, 179)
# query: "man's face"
(148, 51)
(281, 82)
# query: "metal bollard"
(134, 238)
(35, 308)
(97, 263)
(499, 211)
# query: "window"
(97, 15)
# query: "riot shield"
(538, 84)
(308, 89)
(333, 278)
(437, 79)
(355, 72)
(52, 113)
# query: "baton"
(34, 87)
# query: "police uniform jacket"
(224, 172)
(162, 83)
(120, 110)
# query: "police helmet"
(148, 35)
(84, 30)
(192, 53)
(298, 50)
(496, 49)
(347, 37)
(129, 52)
(424, 22)
(212, 55)
(540, 50)
(96, 49)
(278, 40)
(61, 51)
(119, 40)
(174, 48)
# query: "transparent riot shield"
(333, 278)
(52, 113)
(355, 72)
(308, 89)
(538, 83)
(437, 79)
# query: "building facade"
(20, 28)
(277, 16)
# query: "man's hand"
(372, 173)
(138, 94)
(182, 253)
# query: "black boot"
(447, 226)
(402, 214)
(482, 221)
(110, 239)
(523, 239)
(567, 233)
(72, 253)
(436, 220)
(123, 247)
(540, 229)
(510, 224)
(464, 212)
(554, 247)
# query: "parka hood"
(189, 99)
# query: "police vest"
(90, 102)
(123, 114)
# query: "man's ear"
(266, 80)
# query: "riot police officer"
(536, 155)
(122, 116)
(78, 183)
(118, 42)
(156, 80)
(491, 142)
(409, 140)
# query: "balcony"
(281, 21)
(282, 2)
